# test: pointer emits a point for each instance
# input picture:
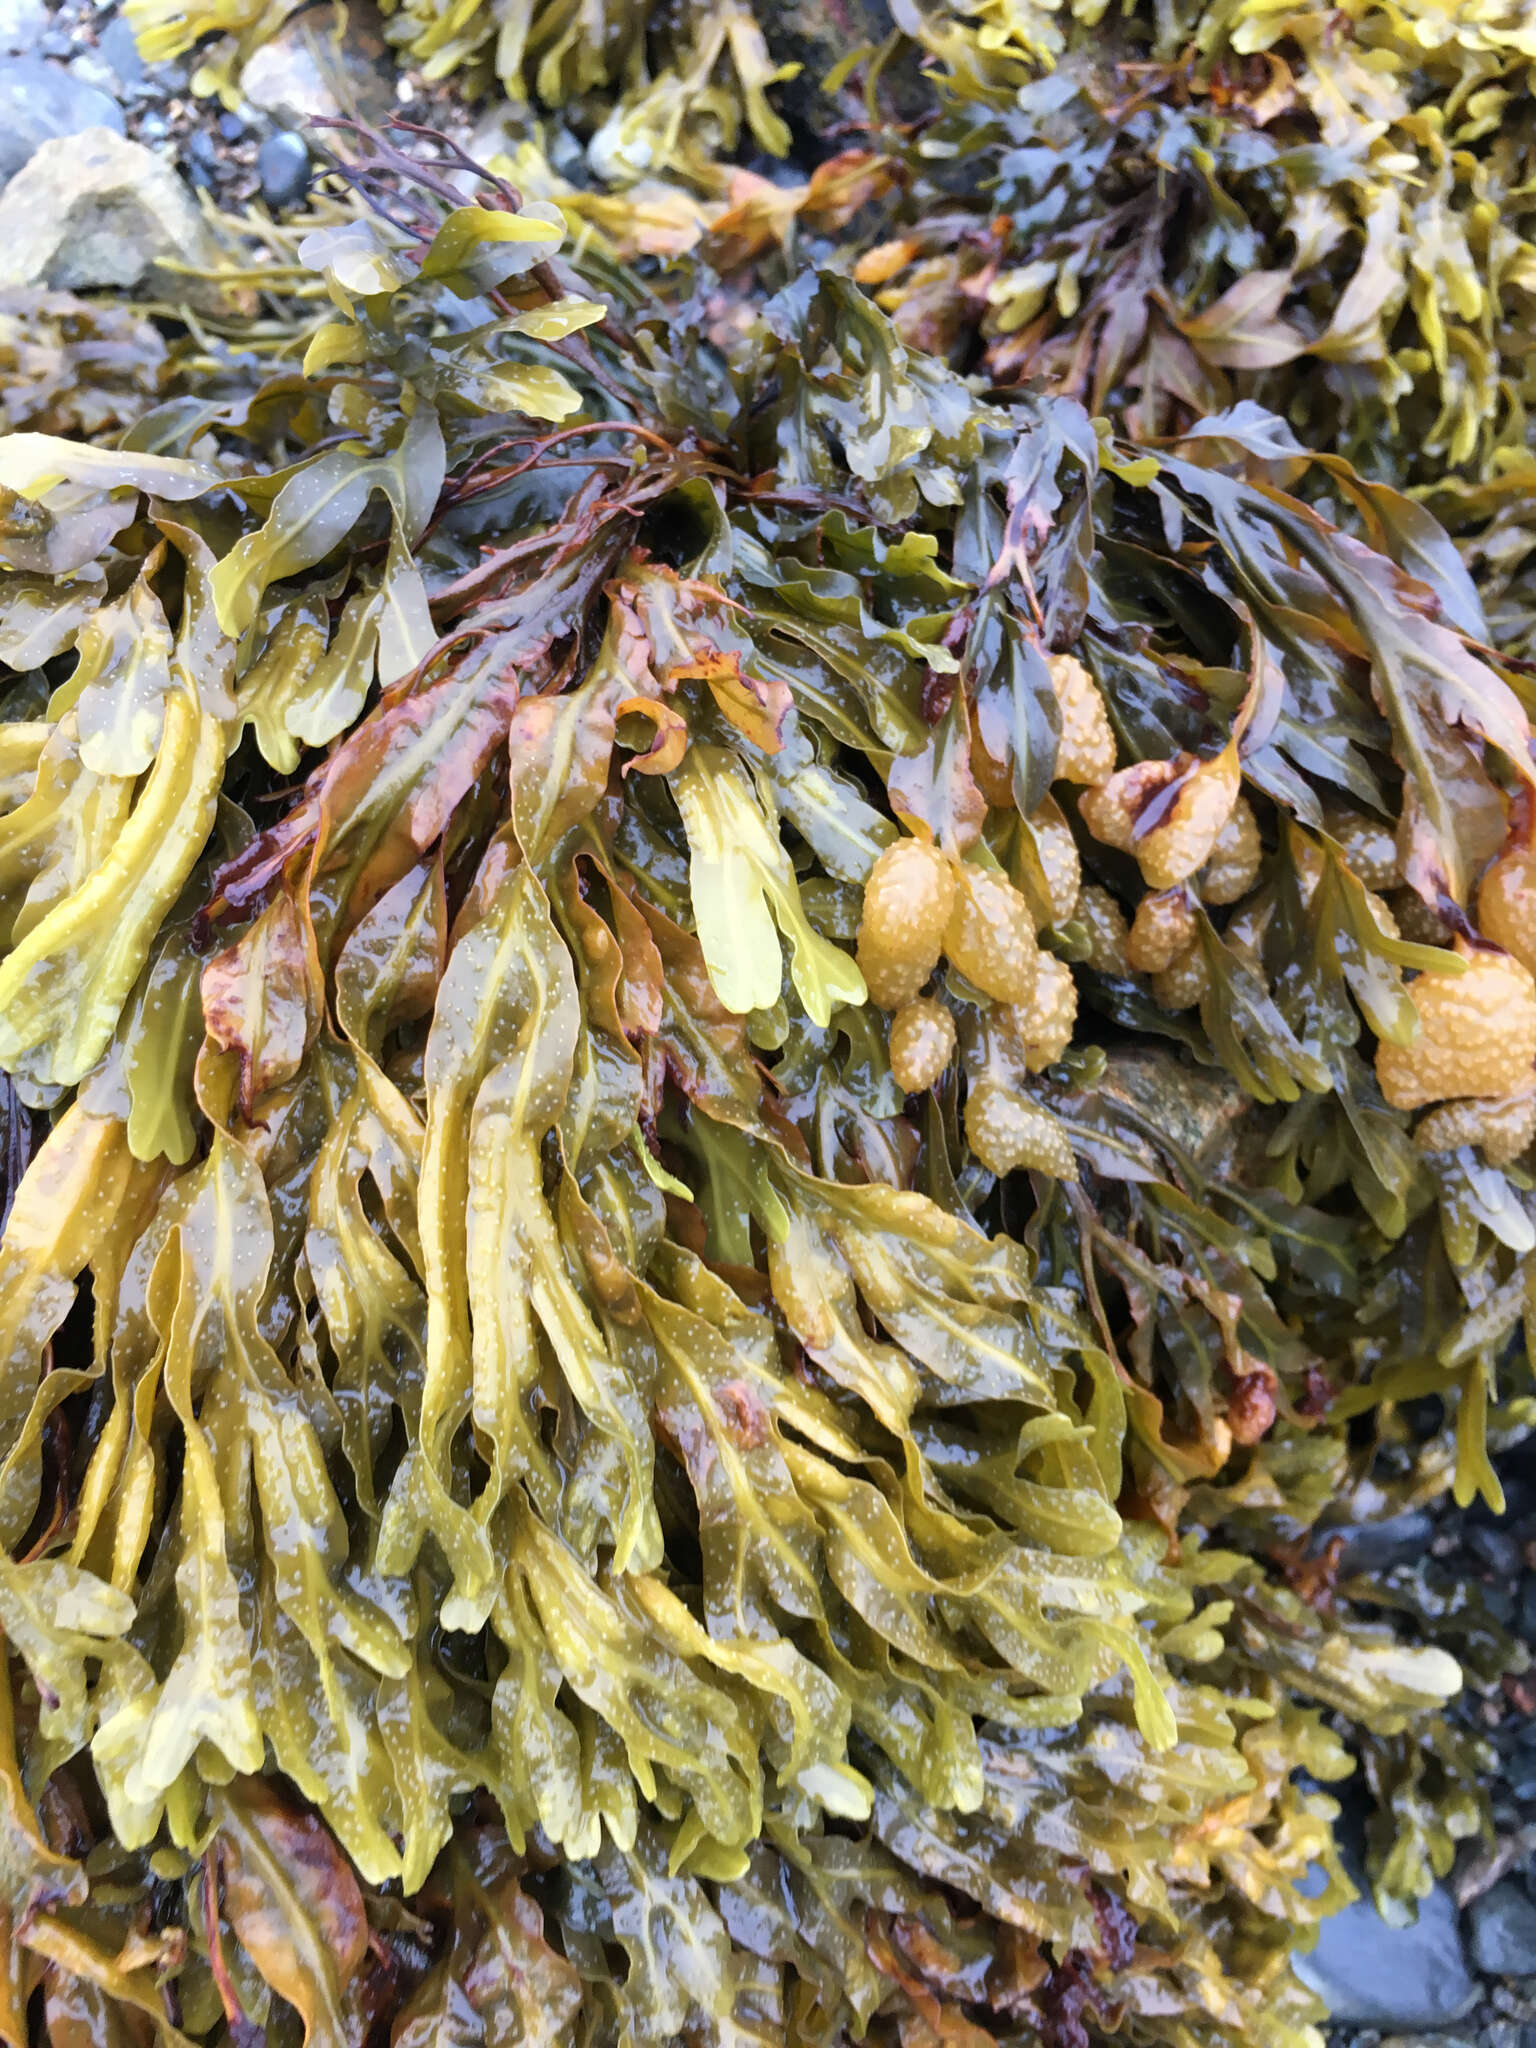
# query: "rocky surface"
(1465, 1976)
(73, 66)
(93, 210)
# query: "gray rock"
(22, 24)
(1499, 1601)
(94, 210)
(816, 34)
(39, 102)
(117, 46)
(315, 68)
(1372, 1546)
(1497, 1551)
(1504, 1932)
(1370, 1974)
(282, 164)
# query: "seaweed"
(726, 1044)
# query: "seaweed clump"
(740, 1073)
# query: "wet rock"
(1370, 1974)
(1503, 1923)
(94, 210)
(40, 102)
(282, 164)
(311, 70)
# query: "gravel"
(250, 155)
(1476, 1937)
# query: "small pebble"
(1503, 1923)
(202, 159)
(282, 165)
